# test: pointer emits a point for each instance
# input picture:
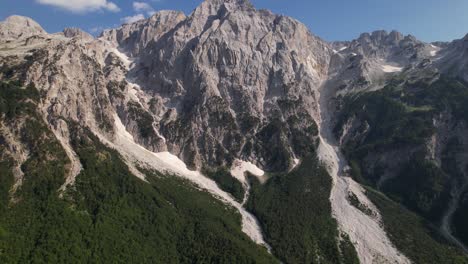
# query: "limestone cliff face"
(77, 33)
(453, 59)
(229, 81)
(226, 82)
(134, 37)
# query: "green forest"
(109, 215)
(400, 117)
(294, 211)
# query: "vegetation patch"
(460, 220)
(354, 200)
(227, 182)
(144, 119)
(109, 215)
(295, 213)
(413, 235)
(422, 186)
(400, 117)
(348, 251)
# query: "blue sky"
(428, 20)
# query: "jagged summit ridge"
(233, 4)
(76, 32)
(136, 36)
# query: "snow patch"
(296, 162)
(343, 48)
(239, 168)
(390, 68)
(434, 50)
(133, 92)
(124, 58)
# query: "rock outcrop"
(453, 59)
(134, 37)
(77, 33)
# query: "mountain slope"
(109, 214)
(165, 98)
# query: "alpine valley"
(231, 135)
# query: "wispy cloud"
(82, 6)
(97, 30)
(132, 19)
(143, 7)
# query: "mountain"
(189, 71)
(230, 135)
(19, 27)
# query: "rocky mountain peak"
(392, 46)
(19, 26)
(380, 37)
(23, 21)
(235, 4)
(455, 55)
(76, 32)
(395, 35)
(135, 36)
(465, 40)
(212, 8)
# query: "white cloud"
(132, 19)
(143, 7)
(96, 30)
(82, 6)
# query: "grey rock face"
(77, 33)
(134, 37)
(224, 74)
(226, 82)
(368, 61)
(454, 59)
